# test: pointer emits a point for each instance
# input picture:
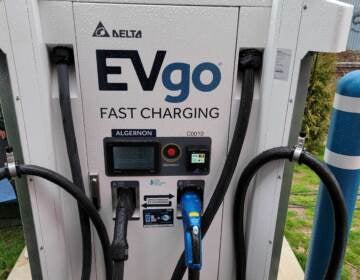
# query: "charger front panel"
(156, 84)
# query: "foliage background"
(319, 101)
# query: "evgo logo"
(147, 82)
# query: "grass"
(11, 244)
(300, 220)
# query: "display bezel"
(203, 168)
(110, 143)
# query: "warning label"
(282, 64)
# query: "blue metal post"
(342, 155)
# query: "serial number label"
(195, 133)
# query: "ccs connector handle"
(191, 206)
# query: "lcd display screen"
(134, 157)
(198, 158)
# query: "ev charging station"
(155, 88)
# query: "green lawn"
(11, 245)
(300, 219)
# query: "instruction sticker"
(158, 217)
(282, 64)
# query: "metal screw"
(305, 7)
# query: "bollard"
(342, 155)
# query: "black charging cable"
(62, 57)
(85, 203)
(249, 63)
(119, 247)
(331, 184)
(194, 274)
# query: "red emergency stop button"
(171, 152)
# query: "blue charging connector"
(191, 207)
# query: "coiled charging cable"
(327, 177)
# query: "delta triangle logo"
(100, 31)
